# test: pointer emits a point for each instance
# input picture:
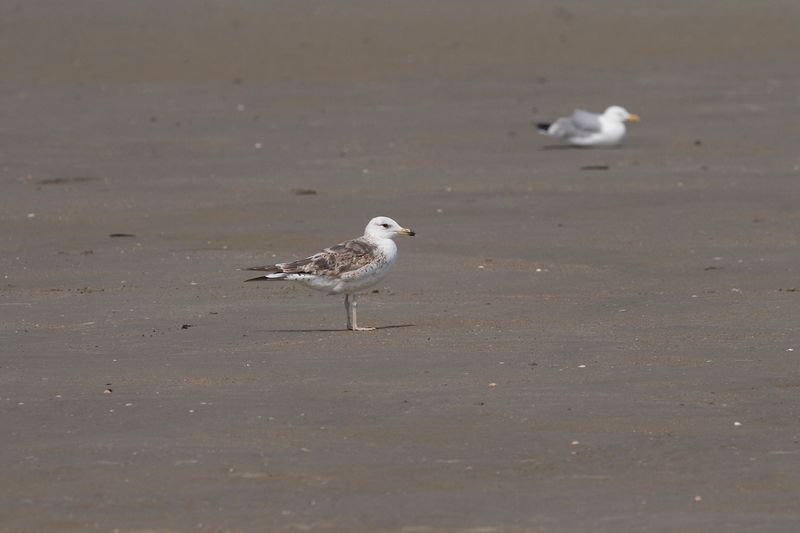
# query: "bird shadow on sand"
(560, 147)
(332, 330)
(565, 147)
(575, 147)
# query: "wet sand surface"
(575, 340)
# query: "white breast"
(367, 276)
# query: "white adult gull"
(349, 268)
(583, 128)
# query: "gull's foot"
(359, 328)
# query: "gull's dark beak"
(406, 231)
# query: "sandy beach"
(576, 339)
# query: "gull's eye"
(385, 226)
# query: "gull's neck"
(368, 236)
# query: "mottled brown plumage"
(333, 262)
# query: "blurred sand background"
(576, 340)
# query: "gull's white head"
(385, 228)
(619, 114)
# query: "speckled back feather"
(331, 262)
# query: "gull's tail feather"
(271, 277)
(543, 126)
(273, 272)
(269, 268)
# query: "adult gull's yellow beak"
(633, 118)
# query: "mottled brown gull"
(349, 268)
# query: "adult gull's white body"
(583, 128)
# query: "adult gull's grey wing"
(585, 121)
(580, 124)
